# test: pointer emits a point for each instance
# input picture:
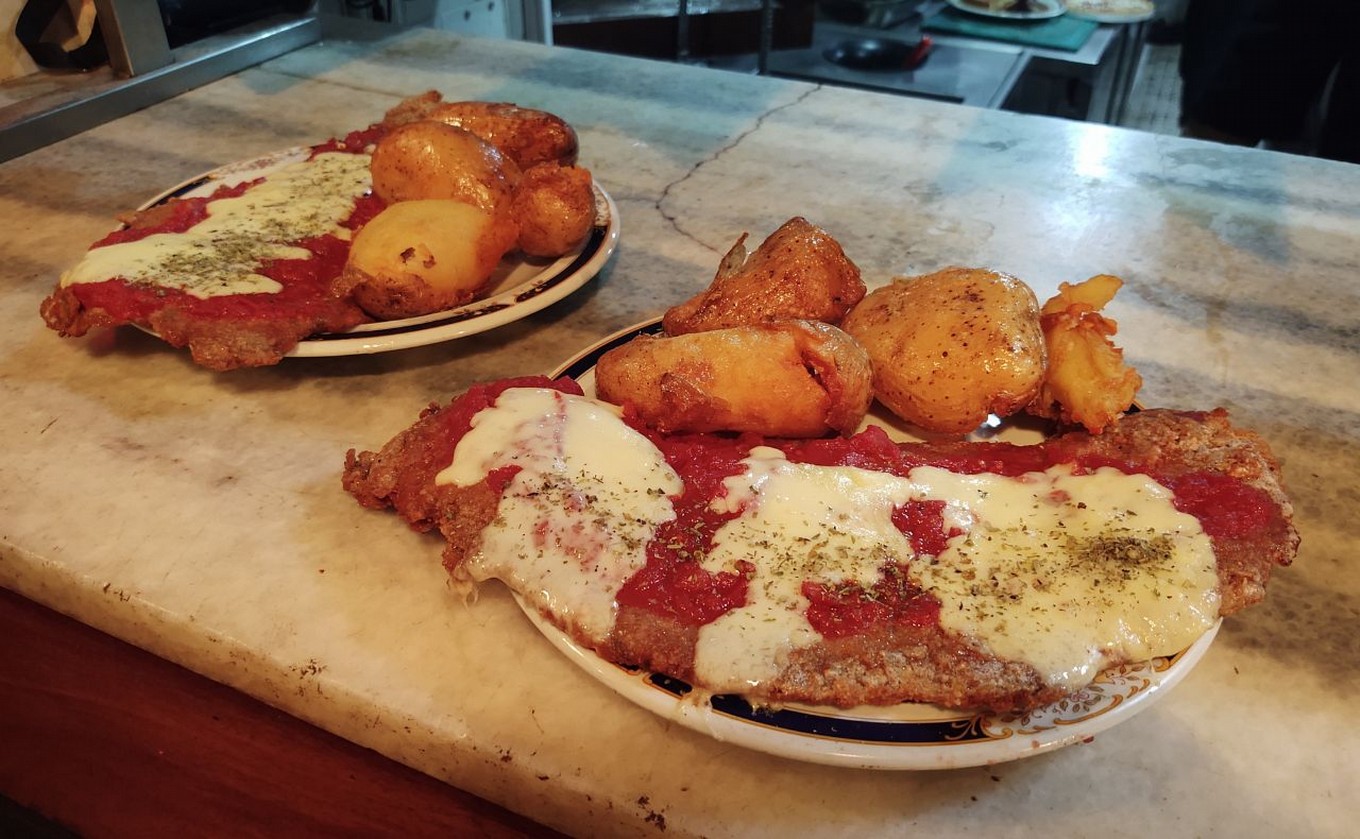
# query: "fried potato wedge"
(1087, 381)
(951, 347)
(555, 208)
(424, 160)
(799, 272)
(417, 257)
(525, 135)
(790, 379)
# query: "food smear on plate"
(241, 273)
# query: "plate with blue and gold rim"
(905, 736)
(520, 286)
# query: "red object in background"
(918, 55)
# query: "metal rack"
(143, 69)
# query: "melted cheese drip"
(574, 522)
(1068, 573)
(801, 523)
(221, 254)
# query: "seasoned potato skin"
(798, 272)
(951, 347)
(411, 109)
(525, 135)
(417, 257)
(791, 379)
(422, 160)
(555, 208)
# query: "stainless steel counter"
(956, 70)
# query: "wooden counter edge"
(109, 740)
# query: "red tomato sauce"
(841, 611)
(306, 283)
(1226, 508)
(922, 522)
(874, 449)
(674, 583)
(354, 142)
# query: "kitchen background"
(722, 33)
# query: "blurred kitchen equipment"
(878, 53)
(873, 14)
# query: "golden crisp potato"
(417, 257)
(525, 135)
(949, 348)
(1087, 381)
(799, 272)
(426, 159)
(555, 208)
(791, 379)
(412, 109)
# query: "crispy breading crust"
(218, 344)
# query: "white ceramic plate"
(905, 736)
(1038, 10)
(519, 288)
(1102, 11)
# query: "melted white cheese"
(1065, 572)
(574, 523)
(1070, 573)
(800, 523)
(222, 253)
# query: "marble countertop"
(200, 515)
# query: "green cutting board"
(1061, 33)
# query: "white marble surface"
(200, 515)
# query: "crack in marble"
(673, 220)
